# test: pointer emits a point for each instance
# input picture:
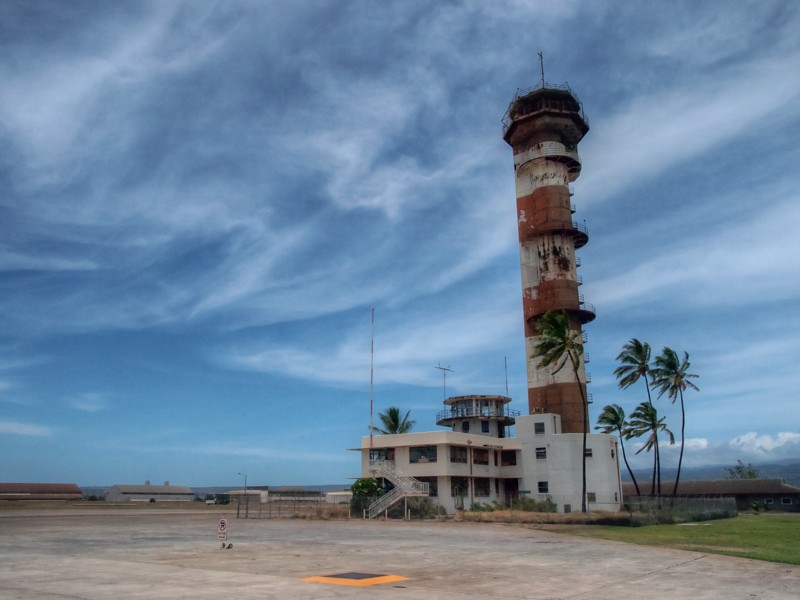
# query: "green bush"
(526, 504)
(420, 508)
(365, 491)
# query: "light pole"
(246, 498)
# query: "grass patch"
(770, 537)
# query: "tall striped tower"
(543, 125)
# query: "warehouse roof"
(40, 491)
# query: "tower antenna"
(541, 66)
(445, 371)
(505, 362)
(371, 373)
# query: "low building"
(40, 491)
(476, 461)
(150, 493)
(767, 493)
(253, 495)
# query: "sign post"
(222, 530)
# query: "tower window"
(422, 454)
(458, 454)
(480, 456)
(482, 486)
(508, 458)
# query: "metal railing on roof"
(506, 120)
(465, 413)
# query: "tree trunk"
(680, 455)
(585, 427)
(625, 458)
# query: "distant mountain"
(789, 472)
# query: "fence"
(646, 510)
(285, 505)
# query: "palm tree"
(671, 376)
(635, 359)
(612, 419)
(644, 420)
(393, 423)
(559, 344)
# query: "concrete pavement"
(125, 553)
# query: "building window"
(484, 426)
(786, 501)
(591, 496)
(458, 454)
(480, 456)
(612, 453)
(482, 486)
(588, 453)
(543, 487)
(541, 453)
(538, 427)
(616, 497)
(465, 426)
(382, 454)
(433, 485)
(768, 501)
(422, 454)
(458, 486)
(508, 458)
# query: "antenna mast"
(541, 66)
(371, 373)
(445, 371)
(505, 361)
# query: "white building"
(475, 461)
(150, 493)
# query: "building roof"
(40, 491)
(717, 487)
(153, 489)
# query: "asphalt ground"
(123, 553)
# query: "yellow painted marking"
(357, 582)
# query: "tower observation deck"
(543, 126)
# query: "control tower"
(543, 126)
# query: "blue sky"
(201, 202)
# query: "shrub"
(526, 504)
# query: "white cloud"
(89, 402)
(751, 447)
(767, 445)
(406, 348)
(710, 262)
(656, 133)
(25, 429)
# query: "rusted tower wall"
(544, 126)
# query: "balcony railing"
(466, 413)
(506, 120)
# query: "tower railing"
(506, 120)
(458, 413)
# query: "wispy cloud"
(25, 429)
(89, 402)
